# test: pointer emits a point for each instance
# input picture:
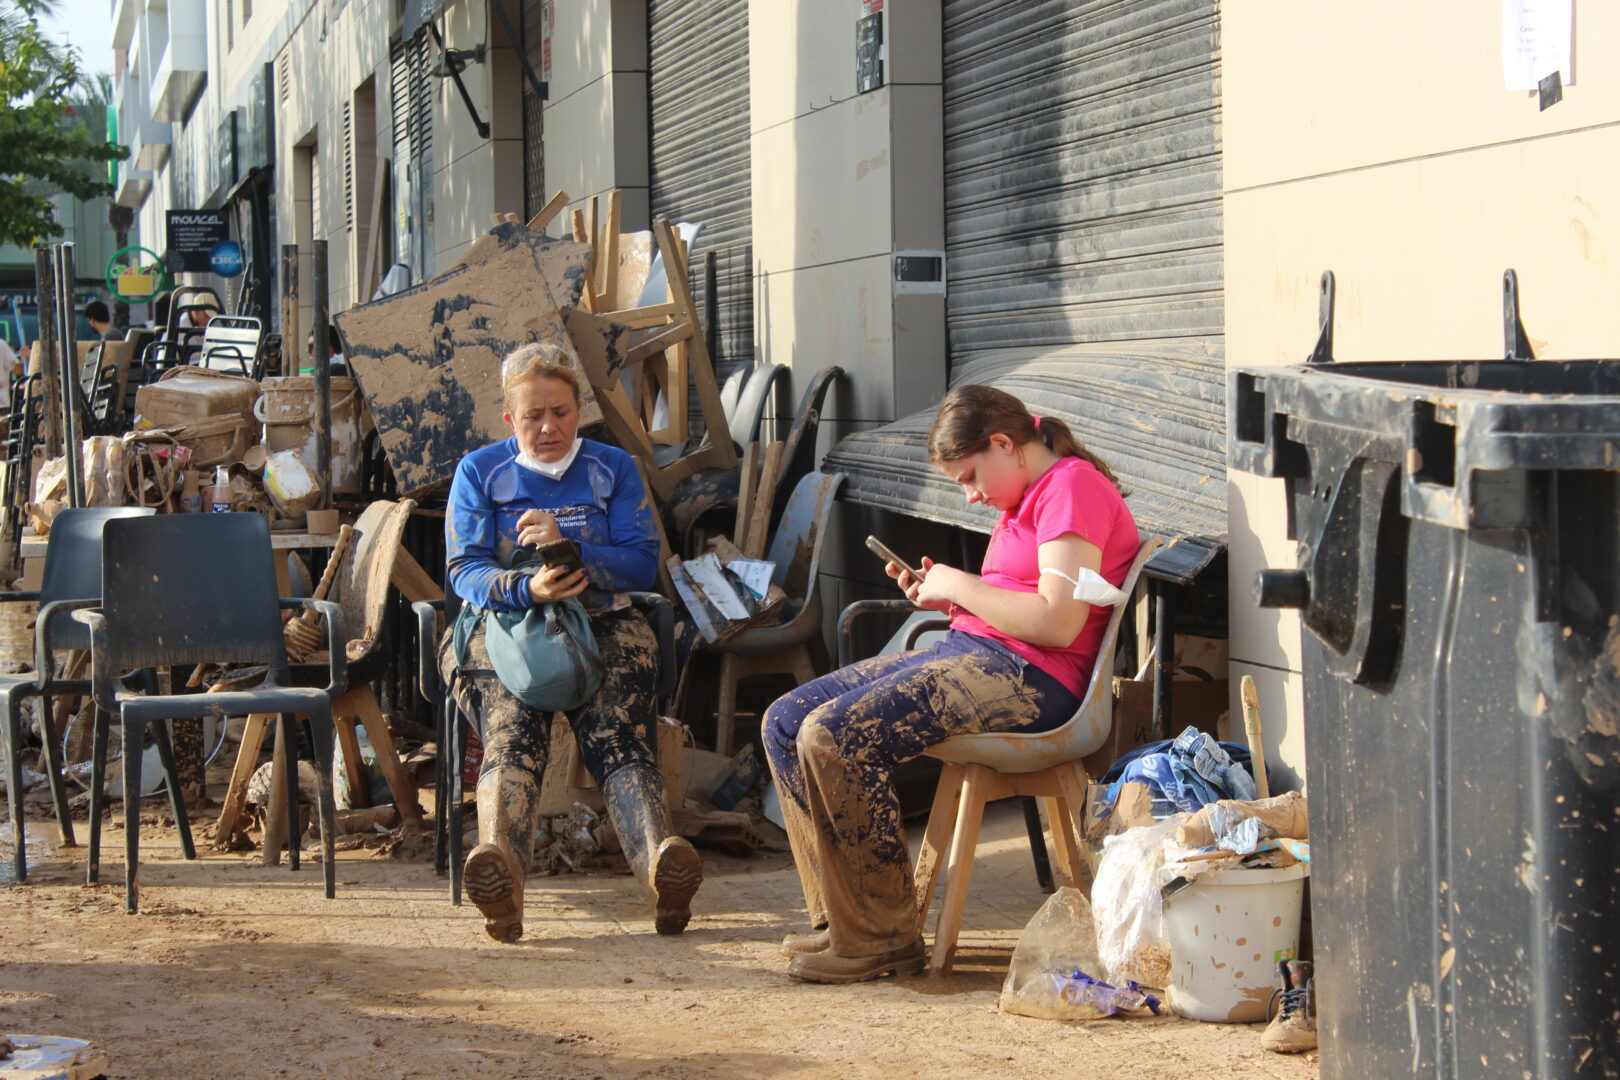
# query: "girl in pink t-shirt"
(1018, 658)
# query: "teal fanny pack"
(546, 655)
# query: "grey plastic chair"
(72, 578)
(194, 589)
(763, 386)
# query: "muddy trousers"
(614, 732)
(834, 745)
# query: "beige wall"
(1377, 140)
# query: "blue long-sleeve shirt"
(600, 503)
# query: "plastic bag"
(1047, 978)
(1127, 907)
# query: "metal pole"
(45, 350)
(323, 379)
(72, 390)
(289, 310)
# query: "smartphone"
(881, 550)
(563, 553)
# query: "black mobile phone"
(564, 553)
(881, 550)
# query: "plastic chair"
(449, 791)
(193, 589)
(764, 384)
(997, 765)
(783, 649)
(72, 579)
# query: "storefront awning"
(1155, 411)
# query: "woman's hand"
(536, 527)
(938, 590)
(554, 583)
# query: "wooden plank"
(354, 768)
(701, 367)
(247, 762)
(275, 817)
(549, 212)
(759, 526)
(363, 703)
(745, 495)
(413, 582)
(657, 343)
(582, 235)
(607, 249)
(651, 315)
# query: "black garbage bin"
(1458, 530)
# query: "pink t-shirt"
(1070, 497)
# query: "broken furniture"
(783, 649)
(231, 343)
(199, 589)
(449, 789)
(996, 765)
(72, 578)
(361, 585)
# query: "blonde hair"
(540, 360)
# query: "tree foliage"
(46, 147)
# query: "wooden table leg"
(275, 817)
(247, 760)
(362, 702)
(354, 767)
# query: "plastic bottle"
(219, 495)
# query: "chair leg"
(290, 779)
(941, 822)
(959, 870)
(100, 732)
(726, 716)
(54, 771)
(804, 669)
(458, 767)
(354, 769)
(134, 732)
(382, 741)
(171, 780)
(14, 789)
(1072, 780)
(1063, 843)
(441, 796)
(321, 730)
(1037, 843)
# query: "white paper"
(1537, 40)
(754, 573)
(710, 577)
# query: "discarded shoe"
(815, 941)
(1293, 1028)
(495, 884)
(828, 967)
(676, 874)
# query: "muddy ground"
(237, 970)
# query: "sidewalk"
(237, 970)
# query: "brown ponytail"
(971, 414)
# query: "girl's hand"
(555, 583)
(901, 577)
(937, 590)
(536, 527)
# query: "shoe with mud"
(828, 967)
(676, 874)
(493, 883)
(1293, 1027)
(813, 942)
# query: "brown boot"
(667, 866)
(1293, 1029)
(508, 800)
(815, 941)
(829, 967)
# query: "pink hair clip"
(1037, 423)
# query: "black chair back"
(190, 589)
(73, 565)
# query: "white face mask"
(551, 469)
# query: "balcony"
(134, 186)
(124, 15)
(149, 145)
(182, 72)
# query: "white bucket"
(1227, 931)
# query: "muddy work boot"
(815, 941)
(1293, 1027)
(827, 966)
(667, 866)
(493, 874)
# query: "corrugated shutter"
(698, 91)
(1083, 243)
(412, 96)
(1082, 173)
(534, 160)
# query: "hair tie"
(1037, 423)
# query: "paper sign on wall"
(1537, 40)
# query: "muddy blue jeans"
(834, 744)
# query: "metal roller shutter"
(534, 162)
(1082, 173)
(697, 83)
(411, 92)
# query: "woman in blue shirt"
(543, 483)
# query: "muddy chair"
(198, 589)
(72, 580)
(984, 768)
